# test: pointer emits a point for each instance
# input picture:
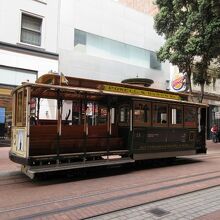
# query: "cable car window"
(124, 115)
(112, 113)
(76, 113)
(21, 108)
(142, 113)
(24, 106)
(160, 114)
(46, 111)
(103, 114)
(176, 116)
(91, 113)
(190, 116)
(97, 114)
(67, 112)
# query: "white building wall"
(14, 56)
(10, 20)
(20, 61)
(25, 61)
(114, 21)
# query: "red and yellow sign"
(178, 82)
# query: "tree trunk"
(205, 64)
(189, 85)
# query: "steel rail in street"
(111, 199)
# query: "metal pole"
(59, 122)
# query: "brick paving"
(92, 189)
(199, 205)
(7, 166)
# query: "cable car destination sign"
(132, 91)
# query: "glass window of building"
(103, 47)
(154, 63)
(31, 30)
(2, 115)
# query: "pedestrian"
(215, 133)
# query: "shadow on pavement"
(99, 172)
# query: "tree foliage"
(191, 29)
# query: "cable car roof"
(47, 86)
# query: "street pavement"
(7, 167)
(199, 205)
(203, 204)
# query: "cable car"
(77, 123)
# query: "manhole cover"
(158, 212)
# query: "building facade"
(28, 47)
(144, 6)
(106, 40)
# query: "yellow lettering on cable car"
(140, 92)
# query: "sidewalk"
(5, 142)
(200, 205)
(7, 167)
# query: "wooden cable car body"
(106, 124)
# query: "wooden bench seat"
(41, 147)
(43, 140)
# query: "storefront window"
(5, 116)
(2, 122)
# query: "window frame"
(21, 108)
(154, 62)
(41, 29)
(41, 1)
(156, 124)
(193, 124)
(127, 122)
(170, 115)
(129, 54)
(137, 123)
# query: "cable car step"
(31, 170)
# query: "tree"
(173, 22)
(191, 29)
(215, 70)
(213, 73)
(208, 34)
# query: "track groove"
(106, 195)
(111, 199)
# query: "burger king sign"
(178, 82)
